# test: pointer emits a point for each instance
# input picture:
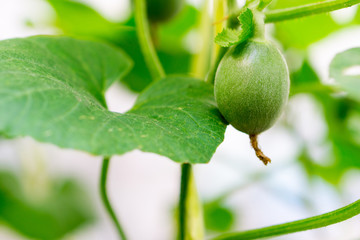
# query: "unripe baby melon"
(252, 86)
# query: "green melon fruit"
(252, 86)
(163, 10)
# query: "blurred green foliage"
(338, 110)
(300, 33)
(160, 10)
(218, 217)
(65, 208)
(345, 70)
(78, 19)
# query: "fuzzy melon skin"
(252, 86)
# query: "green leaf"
(345, 70)
(65, 208)
(318, 221)
(229, 37)
(52, 90)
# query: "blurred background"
(52, 193)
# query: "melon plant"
(53, 90)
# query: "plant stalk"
(201, 61)
(319, 221)
(263, 4)
(147, 47)
(307, 10)
(278, 15)
(191, 226)
(105, 198)
(220, 52)
(220, 10)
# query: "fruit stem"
(105, 198)
(258, 152)
(143, 31)
(259, 25)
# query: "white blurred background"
(144, 187)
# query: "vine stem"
(263, 4)
(307, 10)
(278, 15)
(184, 184)
(147, 47)
(190, 209)
(319, 221)
(191, 226)
(105, 198)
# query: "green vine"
(105, 198)
(143, 31)
(307, 10)
(191, 225)
(184, 185)
(278, 15)
(319, 221)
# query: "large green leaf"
(345, 70)
(65, 208)
(52, 90)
